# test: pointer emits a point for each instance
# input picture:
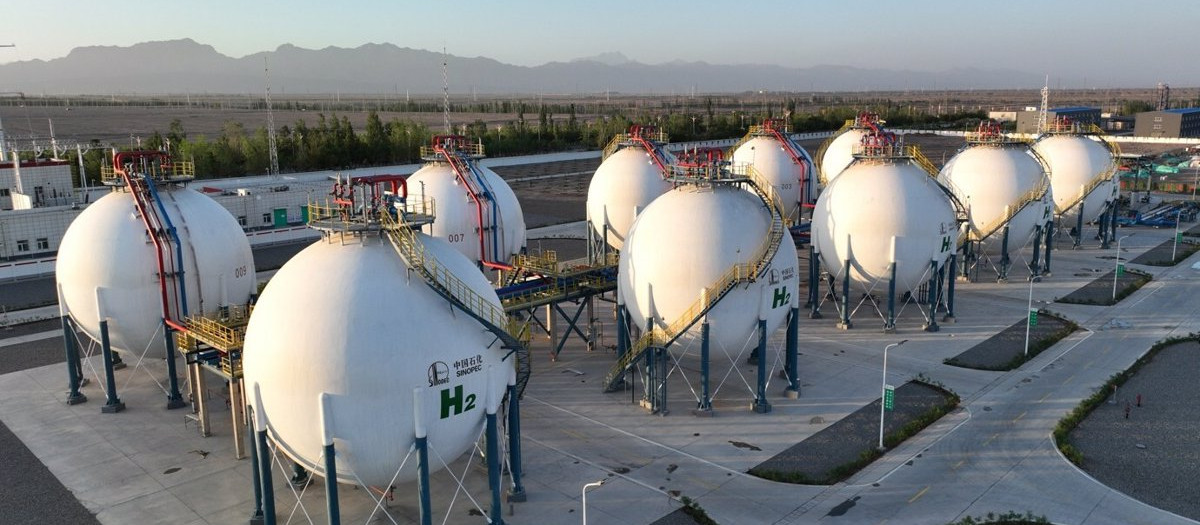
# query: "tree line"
(332, 142)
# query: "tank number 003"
(456, 237)
(239, 272)
(453, 403)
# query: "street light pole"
(883, 389)
(583, 494)
(1117, 266)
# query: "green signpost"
(1120, 269)
(889, 397)
(1032, 317)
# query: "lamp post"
(583, 494)
(1117, 266)
(883, 389)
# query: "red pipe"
(458, 172)
(119, 167)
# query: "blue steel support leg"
(663, 368)
(889, 324)
(113, 404)
(1102, 234)
(74, 374)
(1112, 220)
(1035, 269)
(814, 285)
(423, 501)
(792, 347)
(1048, 247)
(761, 405)
(256, 518)
(268, 485)
(622, 331)
(844, 324)
(517, 492)
(331, 488)
(932, 325)
(174, 398)
(705, 406)
(1004, 259)
(493, 467)
(1078, 228)
(949, 317)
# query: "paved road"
(1002, 457)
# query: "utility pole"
(271, 144)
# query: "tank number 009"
(456, 237)
(239, 272)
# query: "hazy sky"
(1081, 43)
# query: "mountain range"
(185, 66)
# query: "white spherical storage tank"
(992, 179)
(684, 242)
(107, 248)
(771, 160)
(350, 323)
(1076, 163)
(457, 216)
(840, 153)
(873, 202)
(624, 184)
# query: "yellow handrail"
(1033, 195)
(473, 149)
(625, 139)
(739, 272)
(180, 169)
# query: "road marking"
(1044, 397)
(959, 464)
(989, 440)
(1018, 418)
(919, 494)
(21, 339)
(1069, 379)
(574, 434)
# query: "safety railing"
(713, 293)
(472, 149)
(1034, 194)
(177, 170)
(626, 139)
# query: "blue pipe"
(178, 246)
(487, 192)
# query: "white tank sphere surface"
(990, 179)
(684, 242)
(771, 160)
(1075, 162)
(624, 184)
(873, 202)
(457, 217)
(107, 247)
(351, 322)
(840, 153)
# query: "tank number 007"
(239, 272)
(455, 237)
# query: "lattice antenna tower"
(1041, 128)
(445, 95)
(271, 144)
(1164, 97)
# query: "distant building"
(36, 184)
(1027, 121)
(1172, 123)
(1003, 116)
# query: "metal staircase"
(511, 335)
(712, 294)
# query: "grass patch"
(1068, 423)
(693, 510)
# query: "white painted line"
(22, 339)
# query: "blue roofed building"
(1169, 123)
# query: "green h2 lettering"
(946, 243)
(456, 402)
(781, 297)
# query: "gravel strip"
(1154, 455)
(999, 351)
(1161, 255)
(845, 440)
(1100, 290)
